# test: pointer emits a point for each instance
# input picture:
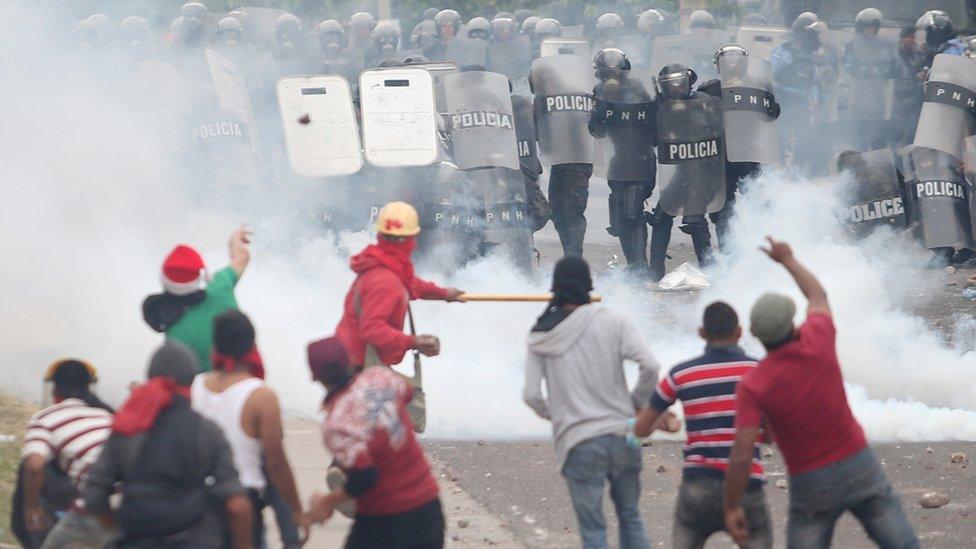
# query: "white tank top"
(225, 410)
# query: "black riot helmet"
(448, 22)
(194, 9)
(135, 31)
(675, 81)
(504, 29)
(480, 28)
(331, 35)
(521, 15)
(528, 26)
(386, 37)
(504, 15)
(609, 62)
(548, 28)
(805, 30)
(287, 28)
(868, 19)
(937, 26)
(728, 49)
(701, 19)
(230, 31)
(609, 24)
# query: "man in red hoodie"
(371, 328)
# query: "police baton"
(540, 298)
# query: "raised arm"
(240, 255)
(781, 253)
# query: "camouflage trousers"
(538, 207)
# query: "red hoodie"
(385, 284)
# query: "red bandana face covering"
(226, 363)
(395, 256)
(139, 413)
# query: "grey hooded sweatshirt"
(581, 360)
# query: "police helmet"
(648, 21)
(609, 23)
(287, 23)
(937, 26)
(608, 62)
(479, 27)
(675, 81)
(504, 29)
(193, 9)
(504, 15)
(868, 18)
(386, 36)
(135, 29)
(447, 18)
(728, 49)
(362, 20)
(528, 26)
(548, 27)
(701, 19)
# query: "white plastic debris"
(685, 278)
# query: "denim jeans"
(77, 530)
(589, 466)
(699, 514)
(856, 484)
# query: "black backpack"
(164, 492)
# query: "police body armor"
(949, 111)
(870, 68)
(513, 58)
(696, 50)
(321, 132)
(691, 156)
(624, 114)
(761, 41)
(875, 197)
(750, 110)
(938, 198)
(563, 87)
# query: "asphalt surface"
(518, 482)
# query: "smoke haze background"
(93, 202)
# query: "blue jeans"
(856, 484)
(589, 466)
(699, 513)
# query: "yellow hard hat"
(398, 219)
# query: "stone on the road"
(933, 500)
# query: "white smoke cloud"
(92, 204)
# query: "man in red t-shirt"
(798, 391)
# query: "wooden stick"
(541, 298)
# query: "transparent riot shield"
(761, 41)
(231, 88)
(563, 86)
(321, 133)
(750, 110)
(480, 117)
(564, 46)
(870, 66)
(513, 58)
(949, 112)
(691, 156)
(941, 199)
(874, 198)
(624, 122)
(696, 50)
(399, 117)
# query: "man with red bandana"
(371, 328)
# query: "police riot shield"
(231, 88)
(398, 116)
(438, 70)
(696, 50)
(464, 51)
(870, 67)
(874, 198)
(564, 46)
(525, 136)
(949, 112)
(623, 120)
(691, 156)
(563, 86)
(939, 199)
(750, 109)
(481, 121)
(513, 58)
(451, 214)
(504, 217)
(969, 158)
(761, 41)
(573, 31)
(321, 134)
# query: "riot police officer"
(701, 19)
(623, 122)
(479, 28)
(135, 32)
(230, 34)
(361, 25)
(447, 24)
(693, 173)
(870, 66)
(424, 34)
(386, 38)
(940, 35)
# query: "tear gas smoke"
(93, 203)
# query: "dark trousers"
(257, 525)
(698, 514)
(422, 528)
(569, 190)
(627, 220)
(735, 174)
(290, 537)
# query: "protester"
(578, 349)
(706, 388)
(189, 303)
(798, 391)
(235, 397)
(175, 468)
(61, 443)
(369, 433)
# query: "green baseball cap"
(771, 320)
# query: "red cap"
(182, 271)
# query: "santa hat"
(182, 271)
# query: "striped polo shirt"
(706, 388)
(71, 432)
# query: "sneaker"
(335, 479)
